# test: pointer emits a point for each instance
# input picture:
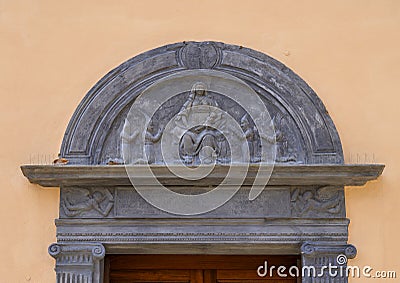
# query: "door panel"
(150, 275)
(248, 276)
(193, 268)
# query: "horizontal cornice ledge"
(282, 175)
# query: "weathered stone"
(282, 175)
(309, 135)
(78, 263)
(300, 211)
(327, 262)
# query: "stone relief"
(130, 136)
(199, 56)
(302, 202)
(307, 132)
(151, 138)
(249, 136)
(207, 141)
(101, 129)
(316, 202)
(284, 152)
(202, 140)
(78, 202)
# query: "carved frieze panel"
(86, 202)
(214, 127)
(274, 202)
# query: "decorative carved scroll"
(317, 257)
(78, 263)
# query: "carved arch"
(89, 136)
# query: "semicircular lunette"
(304, 132)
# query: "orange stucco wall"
(52, 52)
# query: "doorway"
(196, 268)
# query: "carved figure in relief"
(98, 201)
(279, 140)
(200, 141)
(131, 147)
(282, 147)
(249, 137)
(308, 201)
(199, 96)
(203, 132)
(150, 139)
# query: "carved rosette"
(76, 263)
(318, 257)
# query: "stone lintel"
(282, 175)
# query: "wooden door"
(194, 268)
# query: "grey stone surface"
(86, 202)
(307, 131)
(202, 231)
(78, 263)
(301, 210)
(273, 202)
(282, 175)
(320, 202)
(321, 256)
